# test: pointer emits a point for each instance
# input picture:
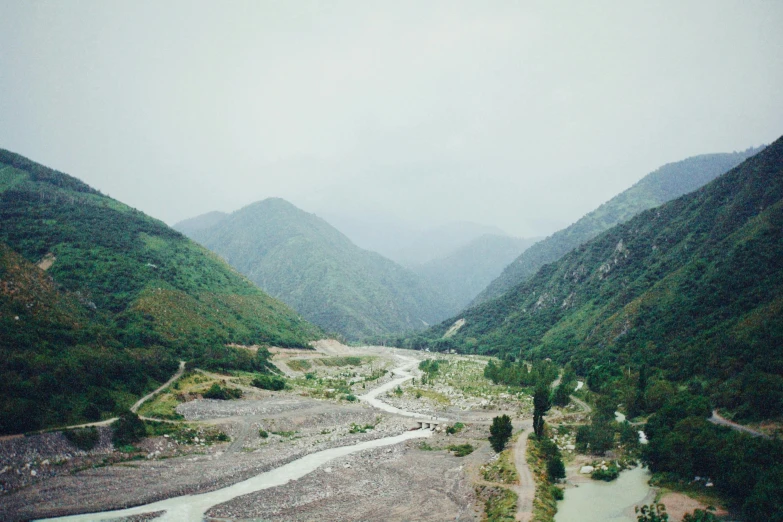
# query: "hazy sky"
(524, 115)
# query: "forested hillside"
(308, 264)
(691, 289)
(668, 182)
(462, 274)
(116, 299)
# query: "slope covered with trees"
(465, 272)
(115, 299)
(668, 182)
(308, 264)
(691, 289)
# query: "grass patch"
(545, 502)
(185, 433)
(502, 470)
(286, 434)
(299, 365)
(339, 361)
(432, 395)
(500, 504)
(461, 450)
(455, 428)
(356, 428)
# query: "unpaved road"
(716, 418)
(163, 386)
(526, 490)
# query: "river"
(599, 501)
(192, 507)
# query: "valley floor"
(44, 476)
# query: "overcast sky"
(524, 115)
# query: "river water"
(599, 501)
(191, 508)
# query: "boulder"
(586, 470)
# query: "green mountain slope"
(692, 288)
(118, 286)
(668, 182)
(307, 263)
(461, 275)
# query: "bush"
(271, 382)
(557, 493)
(84, 439)
(128, 429)
(263, 434)
(350, 397)
(461, 450)
(607, 475)
(455, 428)
(222, 394)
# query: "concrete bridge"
(427, 425)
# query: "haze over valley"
(358, 261)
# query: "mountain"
(98, 302)
(308, 264)
(462, 274)
(668, 182)
(691, 288)
(441, 241)
(192, 225)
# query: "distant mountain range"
(463, 273)
(304, 261)
(98, 302)
(403, 243)
(666, 183)
(692, 289)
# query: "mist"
(517, 115)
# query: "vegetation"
(745, 469)
(501, 470)
(128, 428)
(122, 298)
(84, 438)
(308, 264)
(665, 184)
(455, 428)
(690, 291)
(461, 450)
(500, 504)
(461, 275)
(500, 432)
(269, 382)
(222, 393)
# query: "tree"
(500, 432)
(540, 407)
(129, 428)
(651, 513)
(555, 469)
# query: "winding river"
(193, 507)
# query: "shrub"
(128, 429)
(461, 450)
(270, 382)
(84, 439)
(455, 428)
(350, 397)
(263, 434)
(222, 394)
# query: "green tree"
(500, 432)
(555, 469)
(540, 406)
(129, 428)
(651, 513)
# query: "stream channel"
(192, 507)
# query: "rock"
(327, 470)
(709, 485)
(586, 469)
(570, 447)
(34, 473)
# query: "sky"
(522, 115)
